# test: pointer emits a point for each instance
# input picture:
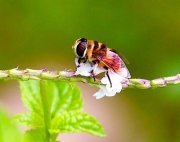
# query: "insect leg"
(93, 75)
(80, 60)
(93, 71)
(109, 78)
(84, 60)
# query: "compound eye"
(81, 48)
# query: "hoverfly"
(99, 55)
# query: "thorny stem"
(43, 74)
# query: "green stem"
(46, 111)
(54, 137)
(69, 76)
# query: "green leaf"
(8, 131)
(31, 97)
(29, 119)
(62, 96)
(45, 99)
(76, 122)
(54, 107)
(30, 91)
(34, 135)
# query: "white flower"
(83, 69)
(107, 89)
(97, 70)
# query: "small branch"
(43, 74)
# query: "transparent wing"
(124, 71)
(113, 61)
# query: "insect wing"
(112, 61)
(108, 59)
(119, 63)
(124, 71)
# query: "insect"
(99, 55)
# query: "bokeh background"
(39, 34)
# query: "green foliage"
(54, 107)
(34, 135)
(76, 121)
(8, 131)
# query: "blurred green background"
(39, 34)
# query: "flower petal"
(100, 93)
(83, 69)
(108, 89)
(98, 70)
